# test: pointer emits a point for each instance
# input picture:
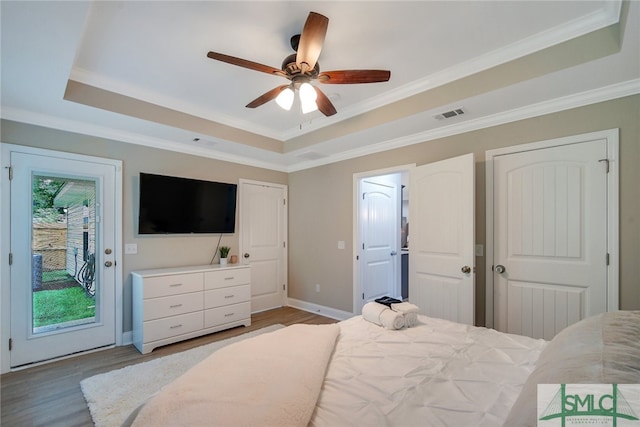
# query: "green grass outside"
(61, 305)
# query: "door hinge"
(10, 173)
(10, 344)
(284, 202)
(607, 259)
(363, 295)
(606, 161)
(284, 288)
(10, 258)
(284, 244)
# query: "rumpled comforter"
(439, 373)
(273, 379)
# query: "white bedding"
(272, 379)
(439, 373)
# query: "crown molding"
(608, 15)
(74, 126)
(100, 81)
(620, 90)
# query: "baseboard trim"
(319, 309)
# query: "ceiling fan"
(302, 67)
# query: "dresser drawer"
(227, 296)
(226, 314)
(172, 326)
(226, 278)
(155, 308)
(172, 284)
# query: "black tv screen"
(172, 205)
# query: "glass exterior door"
(62, 246)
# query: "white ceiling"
(156, 52)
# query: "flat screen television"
(172, 205)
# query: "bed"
(438, 373)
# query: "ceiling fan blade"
(354, 76)
(311, 41)
(245, 63)
(264, 98)
(324, 105)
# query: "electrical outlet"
(130, 249)
(317, 287)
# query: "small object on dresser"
(224, 253)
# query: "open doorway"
(381, 212)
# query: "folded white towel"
(405, 307)
(411, 319)
(409, 312)
(381, 315)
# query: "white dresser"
(175, 304)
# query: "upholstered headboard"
(603, 349)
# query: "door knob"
(108, 263)
(466, 269)
(500, 268)
(246, 255)
(394, 253)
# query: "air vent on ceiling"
(449, 114)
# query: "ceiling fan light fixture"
(285, 99)
(308, 98)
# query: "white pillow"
(603, 349)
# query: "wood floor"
(50, 395)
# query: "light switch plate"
(130, 248)
(479, 250)
(340, 244)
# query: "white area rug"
(112, 396)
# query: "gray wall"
(321, 200)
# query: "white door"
(263, 240)
(379, 206)
(63, 251)
(550, 237)
(442, 236)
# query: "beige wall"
(321, 200)
(153, 251)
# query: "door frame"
(613, 217)
(357, 177)
(285, 229)
(5, 230)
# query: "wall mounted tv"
(172, 205)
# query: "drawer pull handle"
(175, 306)
(175, 285)
(229, 314)
(175, 326)
(229, 296)
(229, 278)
